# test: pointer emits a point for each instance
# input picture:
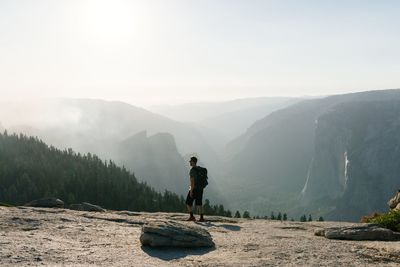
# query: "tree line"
(278, 216)
(30, 169)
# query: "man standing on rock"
(198, 181)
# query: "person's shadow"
(168, 254)
(229, 227)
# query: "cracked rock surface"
(61, 237)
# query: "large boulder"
(394, 203)
(85, 206)
(174, 234)
(49, 202)
(359, 233)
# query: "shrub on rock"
(390, 220)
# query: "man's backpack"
(202, 178)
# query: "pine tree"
(207, 207)
(272, 216)
(237, 214)
(246, 215)
(309, 218)
(279, 217)
(221, 210)
(303, 218)
(285, 217)
(320, 219)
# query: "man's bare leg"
(190, 210)
(200, 210)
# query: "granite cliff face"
(268, 167)
(156, 160)
(355, 165)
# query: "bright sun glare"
(111, 20)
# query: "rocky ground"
(60, 237)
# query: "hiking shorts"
(197, 198)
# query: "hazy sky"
(172, 51)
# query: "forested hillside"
(99, 127)
(30, 169)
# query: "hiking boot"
(191, 219)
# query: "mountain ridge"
(276, 152)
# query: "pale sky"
(152, 52)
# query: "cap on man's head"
(193, 159)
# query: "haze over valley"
(295, 153)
